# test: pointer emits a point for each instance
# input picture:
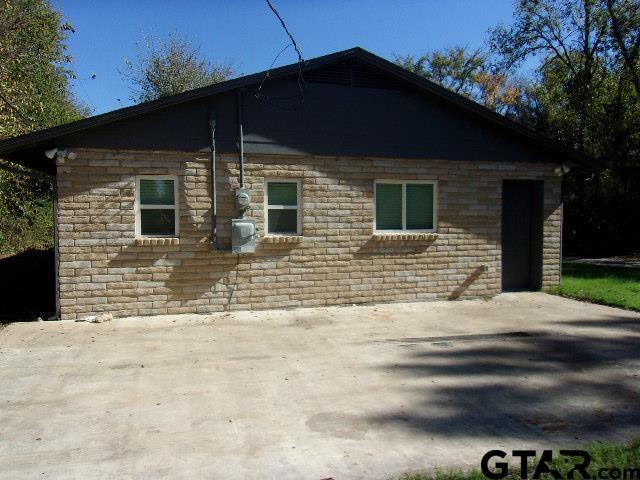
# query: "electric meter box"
(243, 198)
(243, 235)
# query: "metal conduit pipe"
(214, 190)
(240, 137)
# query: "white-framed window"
(156, 207)
(282, 207)
(405, 205)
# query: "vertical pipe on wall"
(56, 246)
(240, 137)
(214, 190)
(561, 237)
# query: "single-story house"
(342, 180)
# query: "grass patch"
(615, 286)
(453, 475)
(604, 455)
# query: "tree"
(34, 94)
(453, 68)
(34, 71)
(584, 92)
(625, 31)
(464, 72)
(571, 34)
(169, 67)
(582, 96)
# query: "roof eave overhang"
(15, 148)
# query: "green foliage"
(465, 72)
(26, 213)
(34, 94)
(450, 475)
(615, 286)
(625, 33)
(607, 455)
(584, 93)
(34, 72)
(169, 67)
(454, 68)
(583, 96)
(32, 229)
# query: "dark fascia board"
(15, 144)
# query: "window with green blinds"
(157, 209)
(281, 193)
(157, 222)
(156, 192)
(283, 221)
(389, 206)
(419, 207)
(405, 206)
(282, 216)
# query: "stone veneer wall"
(104, 269)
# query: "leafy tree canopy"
(465, 72)
(35, 68)
(171, 66)
(34, 93)
(584, 91)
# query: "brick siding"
(338, 261)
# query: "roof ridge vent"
(352, 74)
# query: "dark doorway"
(27, 283)
(521, 235)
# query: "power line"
(266, 75)
(300, 80)
(284, 25)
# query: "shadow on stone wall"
(186, 276)
(473, 276)
(393, 248)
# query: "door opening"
(521, 235)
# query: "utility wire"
(266, 75)
(284, 25)
(300, 80)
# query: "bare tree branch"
(618, 37)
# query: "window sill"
(164, 241)
(282, 238)
(404, 236)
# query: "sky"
(246, 34)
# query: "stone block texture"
(104, 268)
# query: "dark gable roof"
(13, 147)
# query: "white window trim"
(404, 209)
(176, 205)
(268, 207)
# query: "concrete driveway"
(357, 392)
